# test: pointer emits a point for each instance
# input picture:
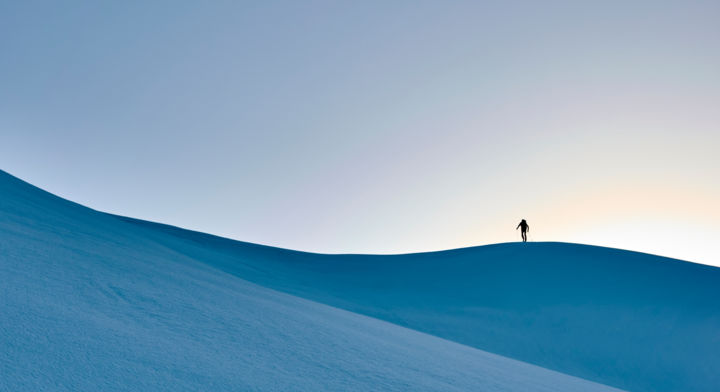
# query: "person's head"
(523, 220)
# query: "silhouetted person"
(524, 228)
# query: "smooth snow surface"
(631, 320)
(634, 321)
(91, 302)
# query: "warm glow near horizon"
(376, 127)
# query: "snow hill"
(92, 301)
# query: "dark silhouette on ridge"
(524, 228)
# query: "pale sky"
(375, 126)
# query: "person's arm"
(518, 226)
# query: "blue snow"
(92, 301)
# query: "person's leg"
(524, 236)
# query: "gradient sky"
(375, 126)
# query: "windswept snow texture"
(94, 301)
(634, 321)
(91, 302)
(631, 320)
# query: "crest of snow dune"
(93, 301)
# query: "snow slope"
(631, 320)
(93, 302)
